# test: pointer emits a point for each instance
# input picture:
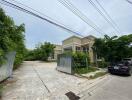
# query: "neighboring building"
(75, 43)
(57, 50)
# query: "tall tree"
(11, 37)
(114, 49)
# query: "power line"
(31, 13)
(42, 14)
(4, 2)
(35, 11)
(106, 13)
(110, 18)
(93, 4)
(129, 1)
(78, 13)
(82, 16)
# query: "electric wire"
(110, 18)
(4, 2)
(43, 14)
(78, 13)
(102, 14)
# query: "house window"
(78, 48)
(68, 49)
(85, 49)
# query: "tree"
(11, 37)
(41, 52)
(113, 49)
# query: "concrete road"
(41, 81)
(36, 80)
(115, 88)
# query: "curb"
(93, 86)
(86, 77)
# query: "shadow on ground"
(120, 75)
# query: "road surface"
(36, 80)
(115, 88)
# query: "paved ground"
(40, 81)
(115, 88)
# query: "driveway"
(36, 80)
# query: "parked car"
(129, 60)
(121, 68)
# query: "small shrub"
(85, 70)
(102, 64)
(80, 59)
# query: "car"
(120, 68)
(129, 60)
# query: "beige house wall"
(89, 40)
(71, 42)
(75, 41)
(91, 53)
(57, 50)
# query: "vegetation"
(11, 38)
(85, 70)
(99, 74)
(80, 59)
(113, 49)
(102, 64)
(41, 52)
(81, 62)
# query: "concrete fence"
(64, 63)
(7, 67)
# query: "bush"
(102, 64)
(42, 52)
(11, 38)
(80, 59)
(85, 70)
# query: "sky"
(39, 31)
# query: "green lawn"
(85, 70)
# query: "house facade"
(76, 44)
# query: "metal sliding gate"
(64, 63)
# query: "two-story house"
(75, 43)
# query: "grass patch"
(85, 70)
(99, 74)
